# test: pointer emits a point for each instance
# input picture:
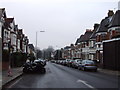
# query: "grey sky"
(62, 20)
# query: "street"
(58, 76)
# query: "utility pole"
(36, 42)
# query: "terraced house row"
(90, 44)
(15, 44)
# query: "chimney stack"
(110, 13)
(119, 5)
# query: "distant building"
(57, 55)
(65, 52)
(79, 47)
(92, 41)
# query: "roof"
(115, 20)
(31, 46)
(67, 47)
(77, 41)
(86, 36)
(2, 10)
(94, 31)
(103, 25)
(16, 27)
(20, 31)
(7, 22)
(81, 38)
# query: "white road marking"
(15, 82)
(84, 82)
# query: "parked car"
(76, 63)
(69, 63)
(53, 61)
(87, 65)
(66, 62)
(34, 67)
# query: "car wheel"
(84, 69)
(43, 70)
(25, 70)
(95, 70)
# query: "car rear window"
(90, 62)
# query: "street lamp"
(36, 41)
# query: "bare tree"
(46, 53)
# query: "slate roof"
(103, 25)
(77, 41)
(67, 47)
(16, 27)
(86, 36)
(2, 11)
(81, 38)
(115, 20)
(20, 31)
(94, 31)
(7, 22)
(31, 46)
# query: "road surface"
(58, 76)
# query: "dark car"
(88, 65)
(34, 67)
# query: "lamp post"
(36, 41)
(9, 68)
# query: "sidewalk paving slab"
(16, 72)
(110, 72)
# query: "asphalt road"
(58, 76)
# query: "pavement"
(17, 72)
(109, 72)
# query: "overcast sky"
(62, 20)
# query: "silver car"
(88, 65)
